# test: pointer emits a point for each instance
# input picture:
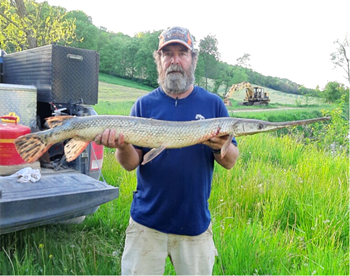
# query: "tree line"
(27, 24)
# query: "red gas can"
(9, 131)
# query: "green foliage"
(331, 136)
(122, 55)
(131, 58)
(334, 91)
(229, 75)
(209, 54)
(85, 31)
(335, 136)
(29, 24)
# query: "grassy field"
(126, 90)
(282, 210)
(280, 97)
(276, 97)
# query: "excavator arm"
(234, 88)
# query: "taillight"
(96, 156)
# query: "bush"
(335, 135)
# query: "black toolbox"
(61, 74)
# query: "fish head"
(251, 126)
(243, 127)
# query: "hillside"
(279, 97)
(117, 93)
(117, 89)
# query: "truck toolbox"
(36, 84)
(60, 74)
(54, 198)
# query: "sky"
(286, 39)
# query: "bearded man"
(170, 216)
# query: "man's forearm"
(230, 157)
(128, 157)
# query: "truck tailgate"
(55, 197)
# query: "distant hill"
(117, 89)
(278, 97)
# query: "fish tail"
(31, 146)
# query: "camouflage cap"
(176, 35)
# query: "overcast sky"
(286, 39)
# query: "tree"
(26, 24)
(209, 53)
(111, 59)
(244, 60)
(87, 34)
(334, 91)
(340, 58)
(146, 67)
(239, 75)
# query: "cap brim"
(175, 41)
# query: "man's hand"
(110, 139)
(216, 143)
(126, 154)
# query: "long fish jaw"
(250, 127)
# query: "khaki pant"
(146, 251)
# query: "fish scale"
(143, 132)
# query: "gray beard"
(176, 83)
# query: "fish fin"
(57, 120)
(31, 147)
(153, 153)
(226, 145)
(74, 148)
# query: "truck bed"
(54, 198)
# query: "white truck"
(35, 84)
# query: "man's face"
(176, 74)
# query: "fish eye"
(260, 126)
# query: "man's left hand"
(216, 142)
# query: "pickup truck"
(35, 84)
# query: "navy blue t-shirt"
(173, 189)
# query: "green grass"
(282, 210)
(110, 108)
(123, 82)
(285, 212)
(112, 90)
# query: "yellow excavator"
(253, 95)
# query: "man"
(169, 213)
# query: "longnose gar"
(143, 132)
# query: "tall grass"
(282, 210)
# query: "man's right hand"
(109, 138)
(129, 157)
